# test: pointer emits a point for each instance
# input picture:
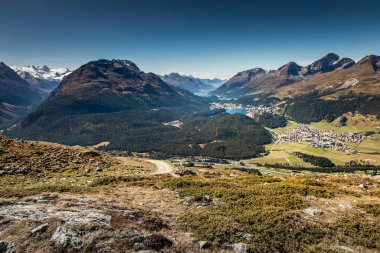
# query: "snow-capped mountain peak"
(43, 72)
(43, 79)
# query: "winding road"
(163, 167)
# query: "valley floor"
(367, 151)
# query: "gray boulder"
(237, 247)
(204, 244)
(5, 246)
(313, 211)
(151, 242)
(40, 229)
(244, 235)
(240, 247)
(64, 238)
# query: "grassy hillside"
(273, 214)
(313, 108)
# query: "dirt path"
(163, 167)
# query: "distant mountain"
(118, 85)
(43, 78)
(17, 97)
(235, 86)
(349, 78)
(327, 96)
(195, 85)
(258, 81)
(215, 82)
(326, 64)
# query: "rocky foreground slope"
(63, 214)
(55, 198)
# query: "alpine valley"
(190, 126)
(109, 158)
(114, 102)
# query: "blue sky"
(204, 38)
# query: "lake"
(234, 111)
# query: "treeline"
(315, 160)
(222, 136)
(311, 108)
(272, 121)
(232, 150)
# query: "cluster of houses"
(320, 138)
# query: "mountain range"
(106, 94)
(195, 85)
(114, 101)
(257, 81)
(360, 78)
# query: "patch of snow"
(348, 83)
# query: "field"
(367, 151)
(355, 123)
(341, 129)
(371, 144)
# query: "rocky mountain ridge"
(258, 80)
(362, 77)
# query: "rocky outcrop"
(344, 63)
(66, 238)
(291, 68)
(73, 223)
(323, 65)
(372, 61)
(5, 246)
